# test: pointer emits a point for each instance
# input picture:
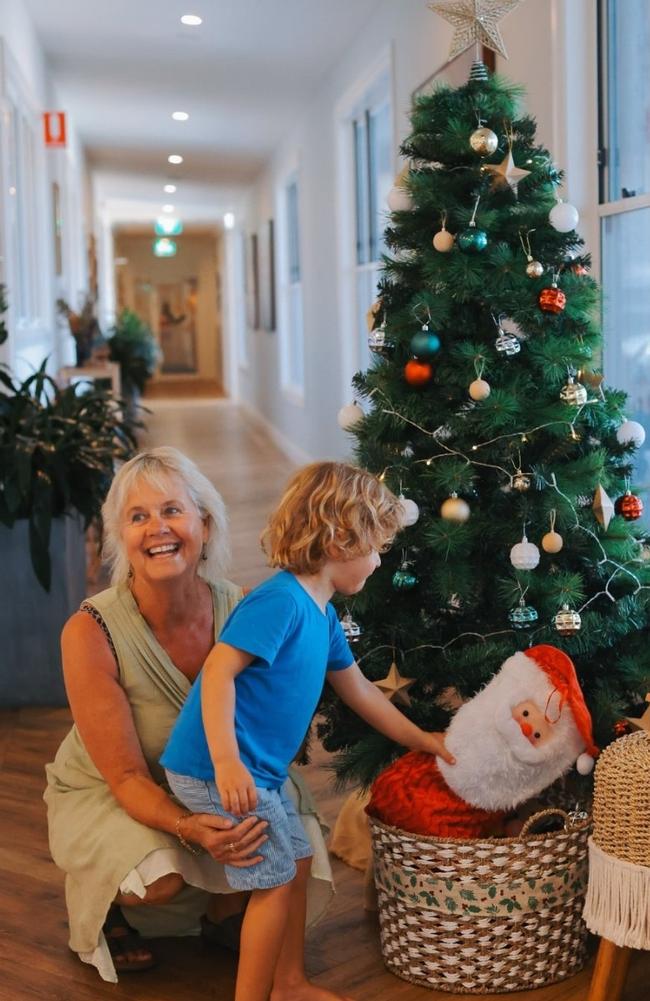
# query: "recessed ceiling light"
(174, 158)
(229, 220)
(169, 189)
(168, 208)
(193, 20)
(180, 116)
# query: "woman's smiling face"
(163, 531)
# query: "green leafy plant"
(134, 347)
(58, 448)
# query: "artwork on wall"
(454, 73)
(252, 273)
(267, 277)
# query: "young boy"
(248, 712)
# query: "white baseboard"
(290, 449)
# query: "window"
(291, 330)
(373, 175)
(625, 209)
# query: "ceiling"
(122, 66)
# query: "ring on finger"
(231, 847)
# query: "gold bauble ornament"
(455, 509)
(443, 241)
(483, 141)
(552, 542)
(574, 393)
(567, 622)
(479, 389)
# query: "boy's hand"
(236, 787)
(434, 743)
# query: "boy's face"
(349, 576)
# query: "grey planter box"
(31, 619)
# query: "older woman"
(130, 656)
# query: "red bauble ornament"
(417, 373)
(629, 506)
(579, 269)
(621, 727)
(552, 300)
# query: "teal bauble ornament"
(523, 616)
(403, 579)
(425, 344)
(472, 240)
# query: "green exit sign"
(168, 226)
(164, 247)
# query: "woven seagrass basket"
(483, 916)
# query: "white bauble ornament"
(479, 389)
(410, 511)
(455, 509)
(399, 199)
(443, 241)
(349, 415)
(524, 555)
(564, 217)
(631, 433)
(552, 542)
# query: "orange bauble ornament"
(629, 506)
(417, 373)
(552, 300)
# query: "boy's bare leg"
(290, 982)
(262, 935)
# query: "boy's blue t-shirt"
(294, 644)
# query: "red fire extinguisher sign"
(54, 128)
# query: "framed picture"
(456, 72)
(252, 273)
(267, 277)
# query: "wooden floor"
(343, 951)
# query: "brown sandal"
(124, 941)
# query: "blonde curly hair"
(330, 510)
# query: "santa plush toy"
(519, 734)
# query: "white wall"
(26, 87)
(552, 48)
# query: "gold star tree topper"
(394, 686)
(475, 22)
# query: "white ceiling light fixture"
(180, 116)
(175, 158)
(168, 208)
(192, 20)
(229, 220)
(169, 189)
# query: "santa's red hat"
(560, 671)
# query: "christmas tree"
(485, 409)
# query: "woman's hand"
(234, 844)
(434, 743)
(236, 786)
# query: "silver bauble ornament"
(564, 217)
(378, 341)
(479, 389)
(443, 241)
(631, 433)
(399, 199)
(483, 141)
(567, 622)
(455, 509)
(534, 269)
(351, 629)
(507, 344)
(410, 511)
(524, 555)
(349, 415)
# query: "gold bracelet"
(185, 844)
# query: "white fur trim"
(585, 764)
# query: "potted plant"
(57, 453)
(134, 347)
